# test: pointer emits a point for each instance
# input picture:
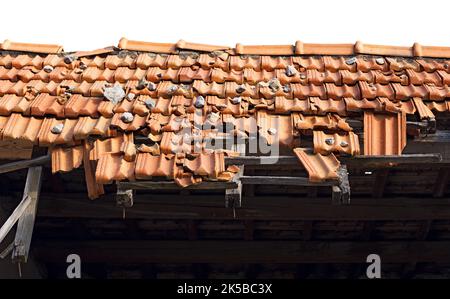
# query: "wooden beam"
(381, 176)
(283, 180)
(441, 182)
(169, 206)
(236, 251)
(169, 185)
(373, 161)
(17, 165)
(20, 209)
(25, 224)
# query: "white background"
(88, 25)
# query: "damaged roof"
(89, 108)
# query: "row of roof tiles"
(249, 76)
(266, 90)
(258, 63)
(299, 48)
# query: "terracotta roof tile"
(26, 47)
(384, 134)
(422, 109)
(146, 46)
(329, 143)
(65, 159)
(319, 167)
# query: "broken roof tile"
(319, 167)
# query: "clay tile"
(361, 48)
(264, 50)
(438, 52)
(27, 47)
(126, 44)
(324, 49)
(181, 44)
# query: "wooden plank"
(237, 251)
(169, 206)
(168, 185)
(17, 165)
(25, 224)
(20, 209)
(283, 180)
(357, 160)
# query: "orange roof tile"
(320, 167)
(384, 134)
(27, 47)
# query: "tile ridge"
(8, 45)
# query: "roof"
(90, 108)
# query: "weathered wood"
(168, 185)
(25, 224)
(124, 198)
(283, 180)
(226, 251)
(441, 182)
(362, 161)
(233, 196)
(17, 165)
(440, 136)
(169, 206)
(341, 192)
(381, 176)
(20, 209)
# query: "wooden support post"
(8, 225)
(25, 224)
(233, 197)
(124, 198)
(341, 192)
(380, 182)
